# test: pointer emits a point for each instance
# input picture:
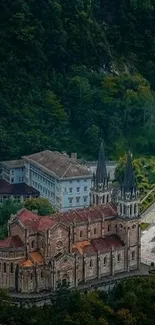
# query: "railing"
(148, 193)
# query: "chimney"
(74, 156)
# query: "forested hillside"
(131, 302)
(73, 72)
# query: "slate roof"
(61, 165)
(16, 189)
(37, 223)
(18, 163)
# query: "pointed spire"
(129, 183)
(101, 171)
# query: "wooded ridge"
(74, 72)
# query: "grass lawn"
(144, 225)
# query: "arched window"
(94, 231)
(32, 244)
(120, 208)
(135, 208)
(41, 274)
(118, 258)
(4, 267)
(109, 228)
(134, 226)
(81, 233)
(107, 198)
(49, 263)
(31, 276)
(124, 209)
(91, 263)
(130, 209)
(105, 260)
(11, 268)
(103, 199)
(133, 255)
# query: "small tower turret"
(100, 192)
(128, 202)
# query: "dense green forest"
(73, 72)
(130, 303)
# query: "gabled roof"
(11, 242)
(42, 223)
(60, 165)
(10, 164)
(98, 245)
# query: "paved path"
(149, 215)
(148, 245)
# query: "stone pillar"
(102, 227)
(88, 229)
(76, 270)
(22, 282)
(27, 240)
(7, 275)
(74, 232)
(46, 243)
(128, 256)
(84, 268)
(98, 265)
(70, 238)
(54, 276)
(139, 248)
(112, 261)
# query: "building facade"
(13, 171)
(76, 246)
(59, 178)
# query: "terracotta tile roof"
(11, 242)
(36, 258)
(104, 244)
(46, 223)
(27, 263)
(59, 164)
(96, 245)
(80, 246)
(18, 163)
(29, 219)
(93, 213)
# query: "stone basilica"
(75, 246)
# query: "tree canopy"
(75, 72)
(42, 206)
(131, 302)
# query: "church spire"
(100, 192)
(128, 203)
(129, 184)
(101, 171)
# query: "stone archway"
(65, 279)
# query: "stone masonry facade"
(72, 247)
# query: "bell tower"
(100, 192)
(128, 201)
